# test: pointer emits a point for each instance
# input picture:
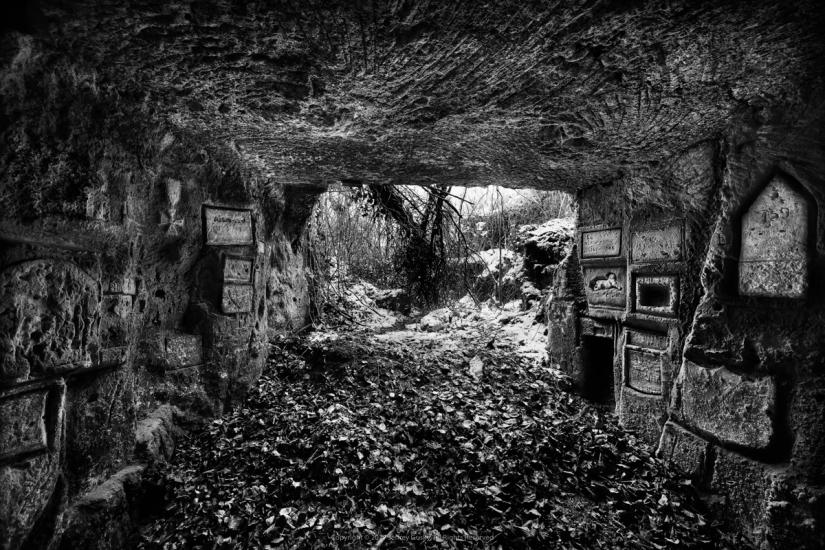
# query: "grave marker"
(226, 226)
(601, 243)
(774, 257)
(662, 244)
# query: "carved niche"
(605, 286)
(49, 319)
(644, 360)
(657, 295)
(773, 261)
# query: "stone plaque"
(663, 244)
(237, 270)
(601, 243)
(644, 370)
(774, 255)
(23, 426)
(236, 298)
(605, 286)
(657, 295)
(647, 340)
(226, 226)
(124, 285)
(183, 350)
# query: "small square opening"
(654, 295)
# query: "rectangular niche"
(237, 298)
(659, 244)
(228, 226)
(643, 369)
(657, 294)
(605, 286)
(601, 243)
(27, 412)
(237, 269)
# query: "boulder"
(435, 320)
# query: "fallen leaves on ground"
(402, 447)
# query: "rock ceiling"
(553, 94)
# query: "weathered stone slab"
(774, 256)
(25, 491)
(236, 298)
(747, 486)
(23, 426)
(602, 243)
(657, 295)
(238, 270)
(228, 226)
(643, 413)
(605, 286)
(689, 452)
(124, 285)
(727, 405)
(643, 370)
(644, 339)
(184, 350)
(52, 311)
(662, 244)
(167, 351)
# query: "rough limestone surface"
(48, 319)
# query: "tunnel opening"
(597, 370)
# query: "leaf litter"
(364, 441)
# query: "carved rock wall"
(142, 266)
(714, 302)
